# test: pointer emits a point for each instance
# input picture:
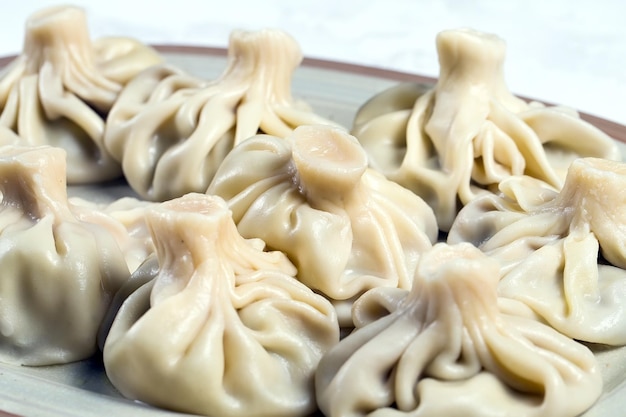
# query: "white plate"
(335, 91)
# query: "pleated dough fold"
(345, 227)
(59, 90)
(223, 328)
(170, 131)
(444, 348)
(562, 253)
(460, 138)
(59, 273)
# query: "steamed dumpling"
(59, 89)
(345, 227)
(170, 131)
(59, 273)
(223, 328)
(563, 253)
(452, 142)
(445, 349)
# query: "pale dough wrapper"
(124, 219)
(345, 227)
(223, 328)
(59, 90)
(451, 142)
(59, 273)
(562, 253)
(445, 349)
(170, 131)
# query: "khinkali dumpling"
(59, 89)
(467, 133)
(59, 273)
(445, 349)
(312, 196)
(223, 328)
(562, 253)
(170, 131)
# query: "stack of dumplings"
(455, 251)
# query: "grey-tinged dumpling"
(59, 90)
(312, 196)
(58, 273)
(444, 348)
(223, 328)
(562, 253)
(468, 132)
(170, 131)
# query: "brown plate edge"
(616, 130)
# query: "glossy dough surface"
(59, 90)
(345, 227)
(59, 273)
(452, 142)
(277, 264)
(562, 252)
(445, 349)
(223, 326)
(170, 131)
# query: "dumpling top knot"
(59, 37)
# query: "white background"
(562, 51)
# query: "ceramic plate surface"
(335, 91)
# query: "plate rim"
(615, 130)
